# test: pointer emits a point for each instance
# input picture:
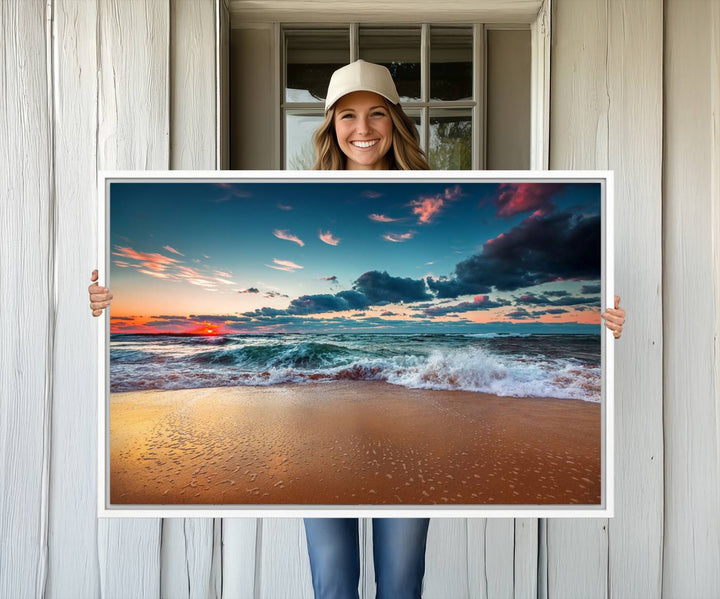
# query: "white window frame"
(535, 15)
(476, 106)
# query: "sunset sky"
(311, 257)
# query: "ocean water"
(530, 365)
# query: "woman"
(365, 129)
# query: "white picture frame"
(603, 509)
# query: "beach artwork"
(355, 343)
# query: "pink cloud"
(287, 236)
(164, 267)
(201, 282)
(172, 249)
(381, 218)
(159, 275)
(157, 259)
(283, 206)
(399, 237)
(515, 198)
(233, 190)
(329, 238)
(285, 265)
(426, 208)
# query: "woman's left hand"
(615, 318)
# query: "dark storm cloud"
(481, 302)
(290, 322)
(312, 304)
(530, 299)
(538, 250)
(452, 288)
(355, 299)
(168, 316)
(219, 318)
(250, 290)
(167, 323)
(549, 311)
(519, 313)
(558, 293)
(380, 287)
(372, 288)
(590, 289)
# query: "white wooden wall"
(132, 85)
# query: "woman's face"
(364, 130)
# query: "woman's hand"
(99, 296)
(615, 318)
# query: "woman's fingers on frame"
(609, 317)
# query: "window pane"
(299, 149)
(451, 55)
(399, 51)
(450, 139)
(311, 57)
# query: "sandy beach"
(351, 443)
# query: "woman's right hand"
(99, 296)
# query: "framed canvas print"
(366, 343)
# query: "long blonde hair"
(405, 154)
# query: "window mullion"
(479, 116)
(425, 85)
(354, 41)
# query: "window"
(434, 68)
(467, 87)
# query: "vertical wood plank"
(525, 579)
(187, 544)
(133, 125)
(635, 90)
(446, 559)
(73, 562)
(577, 550)
(692, 308)
(192, 85)
(491, 555)
(239, 549)
(27, 307)
(187, 558)
(284, 568)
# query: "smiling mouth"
(364, 144)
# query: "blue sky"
(293, 256)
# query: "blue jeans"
(398, 551)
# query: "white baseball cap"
(361, 76)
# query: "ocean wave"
(278, 355)
(470, 369)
